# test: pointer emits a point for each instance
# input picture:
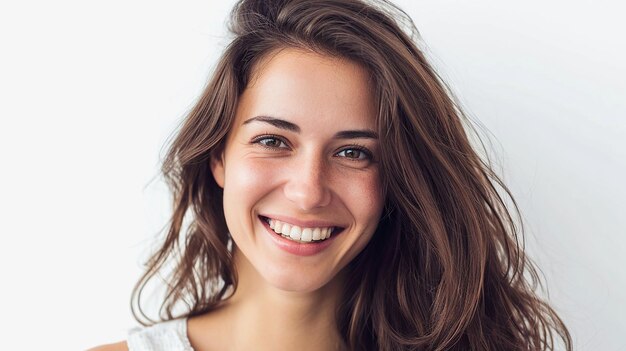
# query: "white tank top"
(164, 336)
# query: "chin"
(294, 281)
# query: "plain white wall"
(89, 93)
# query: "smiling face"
(302, 189)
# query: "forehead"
(306, 87)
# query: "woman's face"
(302, 159)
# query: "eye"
(270, 142)
(355, 153)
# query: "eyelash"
(359, 148)
(258, 140)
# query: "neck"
(261, 317)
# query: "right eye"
(271, 142)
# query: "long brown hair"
(445, 269)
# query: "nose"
(307, 184)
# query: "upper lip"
(303, 223)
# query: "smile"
(300, 234)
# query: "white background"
(89, 92)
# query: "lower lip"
(296, 248)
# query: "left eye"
(354, 154)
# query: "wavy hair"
(445, 269)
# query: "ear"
(217, 168)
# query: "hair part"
(455, 275)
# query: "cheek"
(364, 198)
(246, 182)
(361, 195)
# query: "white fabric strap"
(165, 336)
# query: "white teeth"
(317, 234)
(307, 234)
(277, 226)
(297, 233)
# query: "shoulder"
(119, 346)
(163, 336)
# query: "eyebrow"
(276, 122)
(286, 125)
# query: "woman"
(327, 197)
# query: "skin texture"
(310, 175)
(306, 175)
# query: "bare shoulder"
(118, 346)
